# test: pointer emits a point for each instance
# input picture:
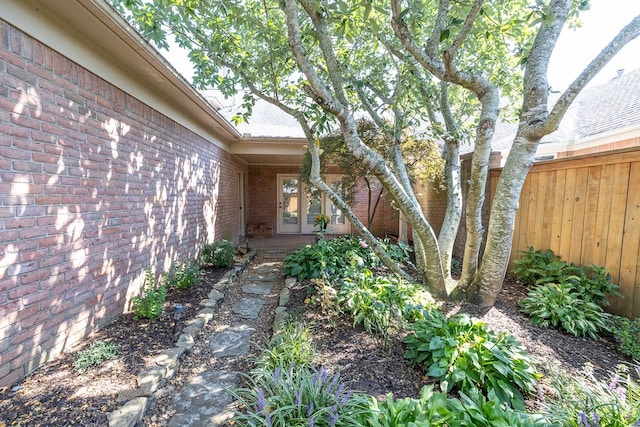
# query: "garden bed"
(57, 395)
(376, 366)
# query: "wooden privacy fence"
(587, 210)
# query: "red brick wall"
(94, 187)
(385, 219)
(262, 203)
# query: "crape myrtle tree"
(407, 63)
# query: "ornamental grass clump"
(291, 345)
(297, 397)
(585, 400)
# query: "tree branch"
(627, 34)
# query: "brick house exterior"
(95, 185)
(110, 163)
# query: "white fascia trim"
(36, 18)
(608, 137)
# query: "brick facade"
(94, 187)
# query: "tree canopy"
(445, 65)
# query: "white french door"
(315, 203)
(288, 204)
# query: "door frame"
(281, 227)
(241, 216)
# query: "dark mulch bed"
(376, 366)
(56, 395)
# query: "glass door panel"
(288, 204)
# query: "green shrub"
(594, 284)
(218, 254)
(337, 258)
(559, 305)
(437, 409)
(627, 334)
(150, 304)
(305, 262)
(297, 397)
(185, 275)
(375, 301)
(542, 267)
(98, 352)
(532, 265)
(584, 400)
(292, 344)
(462, 353)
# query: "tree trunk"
(488, 282)
(453, 212)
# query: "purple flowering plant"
(297, 397)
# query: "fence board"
(547, 213)
(590, 215)
(616, 227)
(630, 244)
(603, 216)
(531, 210)
(567, 213)
(579, 207)
(524, 217)
(558, 209)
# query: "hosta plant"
(559, 305)
(338, 258)
(627, 334)
(376, 301)
(532, 265)
(463, 354)
(438, 409)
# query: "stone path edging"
(152, 380)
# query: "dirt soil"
(56, 395)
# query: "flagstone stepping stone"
(267, 268)
(263, 278)
(234, 341)
(258, 288)
(204, 400)
(249, 307)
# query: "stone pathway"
(203, 399)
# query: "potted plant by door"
(322, 221)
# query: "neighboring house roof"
(266, 121)
(611, 106)
(599, 115)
